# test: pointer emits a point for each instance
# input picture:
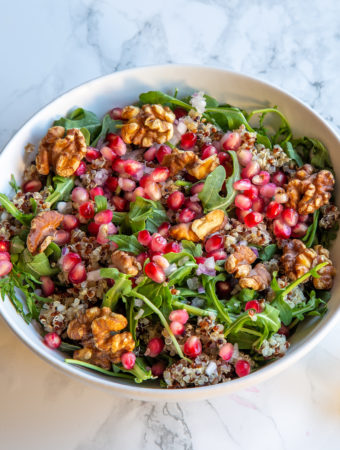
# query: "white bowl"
(123, 88)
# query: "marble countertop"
(51, 47)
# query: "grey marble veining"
(50, 47)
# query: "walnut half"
(43, 230)
(199, 229)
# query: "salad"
(179, 241)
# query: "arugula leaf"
(209, 284)
(227, 118)
(80, 118)
(284, 132)
(186, 265)
(312, 229)
(17, 245)
(144, 214)
(268, 252)
(130, 315)
(127, 243)
(108, 126)
(210, 197)
(310, 308)
(289, 150)
(327, 236)
(62, 189)
(139, 371)
(66, 347)
(100, 203)
(192, 248)
(24, 219)
(14, 184)
(86, 135)
(119, 217)
(97, 368)
(314, 152)
(121, 287)
(193, 310)
(37, 265)
(53, 250)
(161, 98)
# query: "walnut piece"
(43, 230)
(178, 160)
(327, 273)
(183, 231)
(202, 168)
(149, 125)
(257, 279)
(330, 216)
(297, 259)
(125, 263)
(63, 154)
(239, 262)
(308, 192)
(208, 224)
(94, 329)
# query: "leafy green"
(17, 245)
(118, 217)
(37, 265)
(209, 284)
(144, 214)
(66, 347)
(62, 189)
(312, 229)
(121, 287)
(227, 118)
(24, 219)
(194, 310)
(100, 202)
(76, 362)
(289, 150)
(327, 236)
(139, 371)
(210, 197)
(14, 184)
(313, 151)
(86, 135)
(127, 243)
(80, 118)
(192, 248)
(54, 251)
(186, 264)
(108, 126)
(284, 132)
(312, 307)
(161, 98)
(266, 253)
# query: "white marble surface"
(49, 47)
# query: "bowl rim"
(159, 394)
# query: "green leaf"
(192, 248)
(313, 152)
(268, 252)
(139, 371)
(17, 245)
(227, 118)
(127, 243)
(284, 132)
(37, 265)
(24, 219)
(209, 284)
(68, 348)
(108, 126)
(186, 264)
(53, 250)
(121, 287)
(80, 118)
(210, 197)
(86, 135)
(62, 189)
(211, 102)
(98, 369)
(153, 97)
(100, 202)
(312, 229)
(14, 184)
(289, 150)
(144, 214)
(118, 217)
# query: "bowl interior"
(124, 88)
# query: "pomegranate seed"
(164, 228)
(93, 228)
(47, 286)
(218, 255)
(142, 257)
(118, 165)
(186, 215)
(200, 259)
(119, 203)
(261, 178)
(280, 196)
(160, 174)
(252, 219)
(180, 112)
(126, 184)
(138, 192)
(108, 153)
(70, 222)
(258, 205)
(223, 288)
(103, 217)
(153, 190)
(161, 261)
(242, 368)
(223, 157)
(32, 186)
(253, 304)
(86, 210)
(158, 243)
(144, 237)
(188, 140)
(284, 330)
(208, 151)
(144, 180)
(214, 243)
(226, 351)
(172, 247)
(242, 202)
(154, 272)
(290, 217)
(303, 218)
(128, 360)
(242, 214)
(268, 190)
(52, 340)
(273, 210)
(79, 195)
(161, 152)
(4, 246)
(244, 157)
(104, 231)
(252, 192)
(92, 154)
(251, 169)
(242, 185)
(179, 315)
(78, 274)
(279, 178)
(62, 237)
(69, 261)
(116, 113)
(155, 347)
(81, 169)
(158, 368)
(5, 267)
(193, 206)
(231, 141)
(192, 347)
(299, 230)
(5, 256)
(177, 328)
(150, 154)
(116, 144)
(132, 167)
(96, 191)
(197, 188)
(111, 183)
(281, 229)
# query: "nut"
(178, 160)
(43, 230)
(297, 259)
(125, 263)
(148, 125)
(327, 273)
(330, 216)
(239, 262)
(208, 224)
(258, 278)
(63, 154)
(93, 356)
(307, 192)
(202, 168)
(183, 231)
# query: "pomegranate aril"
(116, 143)
(108, 153)
(119, 203)
(214, 243)
(79, 195)
(281, 229)
(303, 218)
(118, 165)
(218, 255)
(261, 178)
(144, 237)
(284, 330)
(81, 170)
(52, 340)
(223, 288)
(280, 196)
(180, 112)
(258, 205)
(5, 256)
(186, 216)
(144, 180)
(86, 210)
(172, 247)
(78, 274)
(47, 286)
(32, 186)
(158, 243)
(208, 151)
(164, 229)
(103, 232)
(223, 157)
(4, 246)
(116, 113)
(161, 261)
(192, 347)
(273, 210)
(226, 351)
(103, 217)
(128, 360)
(251, 169)
(242, 185)
(70, 222)
(241, 214)
(252, 219)
(197, 188)
(155, 347)
(268, 190)
(153, 190)
(242, 202)
(5, 267)
(179, 315)
(160, 174)
(69, 261)
(290, 216)
(62, 237)
(193, 206)
(142, 257)
(138, 192)
(231, 141)
(161, 152)
(93, 228)
(92, 154)
(155, 272)
(132, 167)
(111, 183)
(244, 157)
(279, 178)
(96, 191)
(158, 368)
(177, 328)
(150, 154)
(188, 140)
(242, 368)
(299, 230)
(200, 259)
(252, 192)
(253, 304)
(126, 184)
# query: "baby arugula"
(81, 118)
(61, 191)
